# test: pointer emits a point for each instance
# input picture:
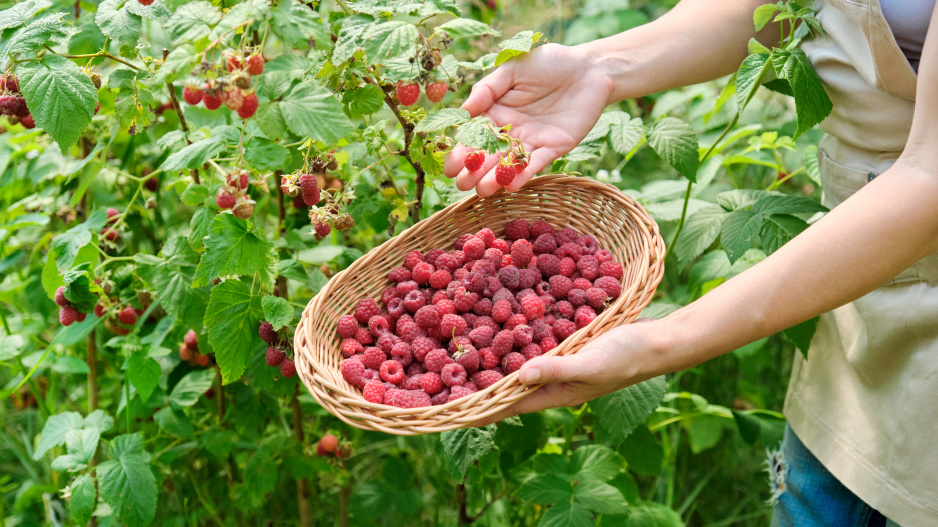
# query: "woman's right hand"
(551, 97)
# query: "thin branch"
(182, 118)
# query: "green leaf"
(297, 24)
(484, 62)
(277, 311)
(48, 28)
(601, 497)
(194, 195)
(787, 204)
(188, 390)
(171, 273)
(264, 154)
(194, 155)
(155, 11)
(253, 11)
(705, 431)
(750, 76)
(740, 198)
(199, 225)
(119, 24)
(812, 104)
(675, 141)
(83, 499)
(517, 45)
(801, 334)
(350, 38)
(294, 271)
(465, 446)
(740, 230)
(443, 119)
(54, 431)
(384, 40)
(596, 462)
(566, 515)
(546, 489)
(192, 21)
(466, 27)
(143, 373)
(651, 514)
(60, 97)
(478, 133)
(82, 443)
(811, 164)
(763, 15)
(20, 13)
(236, 247)
(126, 483)
(365, 100)
(233, 316)
(625, 136)
(312, 111)
(621, 412)
(99, 420)
(701, 229)
(80, 289)
(643, 452)
(173, 423)
(779, 229)
(178, 64)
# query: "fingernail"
(531, 376)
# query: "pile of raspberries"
(459, 321)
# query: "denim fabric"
(810, 496)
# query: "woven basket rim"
(350, 406)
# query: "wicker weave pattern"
(603, 211)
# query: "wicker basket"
(603, 211)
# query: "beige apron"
(866, 400)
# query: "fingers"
(467, 180)
(550, 396)
(546, 370)
(488, 90)
(454, 161)
(537, 161)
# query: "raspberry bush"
(178, 179)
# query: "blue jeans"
(807, 495)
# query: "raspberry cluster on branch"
(455, 322)
(189, 350)
(275, 356)
(12, 103)
(234, 91)
(305, 183)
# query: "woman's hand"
(551, 98)
(622, 357)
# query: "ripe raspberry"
(610, 269)
(475, 281)
(487, 360)
(322, 230)
(460, 257)
(440, 279)
(145, 2)
(412, 259)
(414, 300)
(287, 367)
(530, 351)
(392, 371)
(582, 283)
(548, 344)
(487, 236)
(412, 399)
(510, 277)
(515, 320)
(482, 337)
(521, 253)
(192, 95)
(603, 255)
(432, 255)
(583, 316)
(484, 379)
(505, 172)
(28, 122)
(9, 83)
(421, 273)
(238, 181)
(232, 63)
(457, 392)
(191, 339)
(469, 358)
(415, 368)
(460, 240)
(545, 243)
(588, 266)
(431, 382)
(407, 94)
(512, 362)
(445, 261)
(452, 375)
(445, 306)
(502, 343)
(352, 371)
(610, 285)
(474, 160)
(453, 325)
(402, 353)
(577, 297)
(427, 317)
(563, 328)
(99, 310)
(254, 64)
(567, 266)
(436, 359)
(364, 337)
(373, 357)
(588, 244)
(567, 235)
(67, 315)
(211, 98)
(274, 356)
(465, 302)
(412, 382)
(387, 341)
(474, 248)
(226, 198)
(440, 398)
(365, 309)
(346, 327)
(233, 99)
(310, 189)
(595, 297)
(374, 392)
(248, 107)
(483, 307)
(523, 335)
(494, 256)
(563, 309)
(435, 91)
(517, 229)
(406, 287)
(127, 316)
(539, 227)
(60, 299)
(560, 286)
(378, 326)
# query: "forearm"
(882, 229)
(697, 41)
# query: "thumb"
(544, 370)
(488, 90)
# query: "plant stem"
(91, 359)
(302, 484)
(182, 118)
